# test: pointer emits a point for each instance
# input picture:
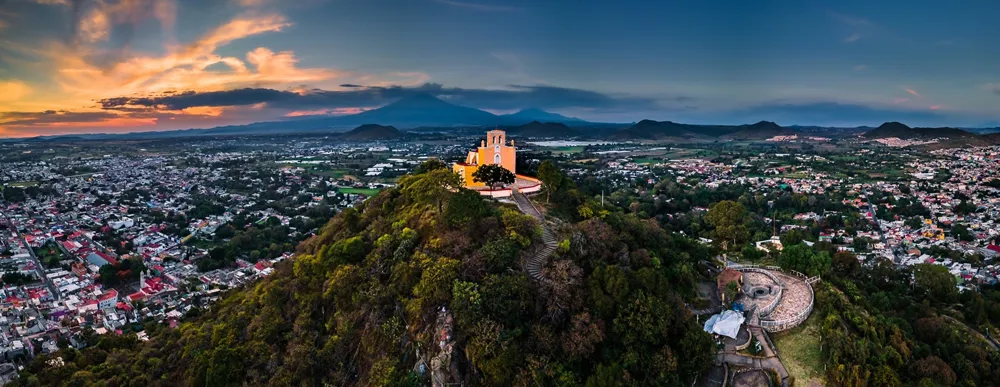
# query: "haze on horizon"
(83, 66)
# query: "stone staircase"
(541, 255)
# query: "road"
(38, 265)
(881, 233)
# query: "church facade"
(493, 150)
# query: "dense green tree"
(937, 283)
(430, 165)
(493, 175)
(432, 187)
(553, 179)
(806, 260)
(728, 218)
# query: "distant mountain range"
(421, 110)
(429, 114)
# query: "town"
(103, 241)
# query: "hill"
(370, 299)
(535, 114)
(370, 132)
(899, 130)
(667, 130)
(421, 110)
(655, 130)
(546, 129)
(758, 131)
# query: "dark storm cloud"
(514, 97)
(52, 116)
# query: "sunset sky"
(134, 65)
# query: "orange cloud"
(82, 71)
(13, 90)
(81, 79)
(210, 111)
(914, 93)
(936, 107)
(97, 22)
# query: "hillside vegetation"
(359, 305)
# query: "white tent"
(726, 323)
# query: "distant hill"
(899, 130)
(655, 130)
(369, 132)
(543, 129)
(986, 139)
(535, 114)
(422, 110)
(667, 130)
(760, 130)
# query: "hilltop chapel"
(493, 150)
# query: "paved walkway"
(769, 361)
(541, 255)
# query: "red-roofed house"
(108, 258)
(108, 300)
(137, 296)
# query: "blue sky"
(845, 63)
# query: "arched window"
(496, 158)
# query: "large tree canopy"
(728, 218)
(493, 175)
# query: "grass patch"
(363, 191)
(797, 175)
(568, 149)
(334, 173)
(800, 352)
(646, 160)
(49, 255)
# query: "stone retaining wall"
(789, 323)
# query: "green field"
(646, 160)
(334, 173)
(363, 191)
(800, 352)
(568, 149)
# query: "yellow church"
(493, 150)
